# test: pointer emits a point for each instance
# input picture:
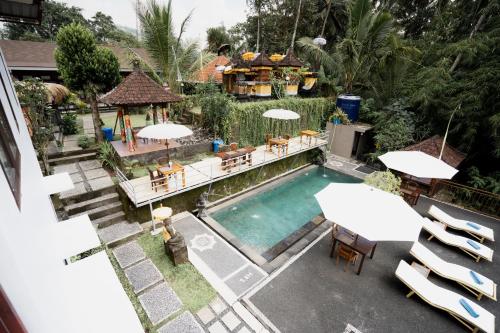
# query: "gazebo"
(138, 89)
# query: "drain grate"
(365, 169)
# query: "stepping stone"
(143, 275)
(160, 303)
(206, 315)
(89, 165)
(100, 183)
(76, 177)
(231, 320)
(218, 305)
(185, 323)
(244, 330)
(95, 173)
(119, 233)
(77, 190)
(69, 168)
(217, 328)
(129, 254)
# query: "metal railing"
(468, 197)
(196, 175)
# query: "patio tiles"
(217, 327)
(129, 254)
(96, 173)
(100, 183)
(69, 168)
(313, 294)
(160, 303)
(78, 189)
(143, 275)
(205, 314)
(90, 165)
(185, 323)
(230, 320)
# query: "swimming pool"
(263, 220)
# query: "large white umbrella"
(369, 212)
(165, 132)
(418, 164)
(281, 114)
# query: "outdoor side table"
(280, 143)
(176, 168)
(310, 134)
(359, 244)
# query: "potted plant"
(339, 117)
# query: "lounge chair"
(473, 316)
(472, 248)
(474, 282)
(475, 230)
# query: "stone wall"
(186, 201)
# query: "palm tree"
(175, 57)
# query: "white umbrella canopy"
(369, 212)
(281, 114)
(164, 131)
(418, 164)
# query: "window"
(10, 158)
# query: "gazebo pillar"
(164, 114)
(122, 123)
(129, 134)
(155, 115)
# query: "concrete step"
(88, 195)
(119, 233)
(108, 220)
(101, 211)
(60, 154)
(72, 158)
(95, 202)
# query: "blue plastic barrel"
(108, 133)
(216, 144)
(350, 104)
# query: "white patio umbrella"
(369, 212)
(164, 132)
(418, 164)
(281, 114)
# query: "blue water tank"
(216, 143)
(350, 104)
(108, 133)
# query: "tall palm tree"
(175, 57)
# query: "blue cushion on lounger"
(475, 277)
(473, 225)
(469, 308)
(473, 244)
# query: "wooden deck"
(142, 148)
(201, 173)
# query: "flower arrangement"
(339, 117)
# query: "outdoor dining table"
(167, 170)
(280, 143)
(355, 242)
(237, 157)
(310, 134)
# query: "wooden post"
(130, 135)
(155, 115)
(122, 124)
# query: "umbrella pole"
(168, 155)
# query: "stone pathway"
(88, 125)
(87, 176)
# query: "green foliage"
(216, 114)
(385, 181)
(84, 142)
(340, 115)
(69, 124)
(216, 37)
(107, 155)
(178, 109)
(489, 183)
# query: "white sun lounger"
(474, 282)
(463, 243)
(475, 230)
(445, 299)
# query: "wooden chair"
(348, 254)
(233, 146)
(163, 161)
(287, 137)
(156, 180)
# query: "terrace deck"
(204, 172)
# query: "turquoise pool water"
(263, 220)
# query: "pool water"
(263, 220)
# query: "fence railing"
(468, 197)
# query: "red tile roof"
(139, 89)
(432, 146)
(208, 72)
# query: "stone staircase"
(72, 156)
(105, 210)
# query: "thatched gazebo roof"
(290, 60)
(432, 146)
(139, 89)
(262, 60)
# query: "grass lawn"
(191, 287)
(109, 118)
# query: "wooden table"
(167, 171)
(310, 134)
(280, 143)
(410, 195)
(357, 243)
(240, 156)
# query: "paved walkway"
(87, 176)
(88, 125)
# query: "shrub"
(84, 142)
(107, 155)
(385, 181)
(69, 125)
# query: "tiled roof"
(139, 89)
(208, 72)
(432, 146)
(290, 60)
(41, 54)
(262, 60)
